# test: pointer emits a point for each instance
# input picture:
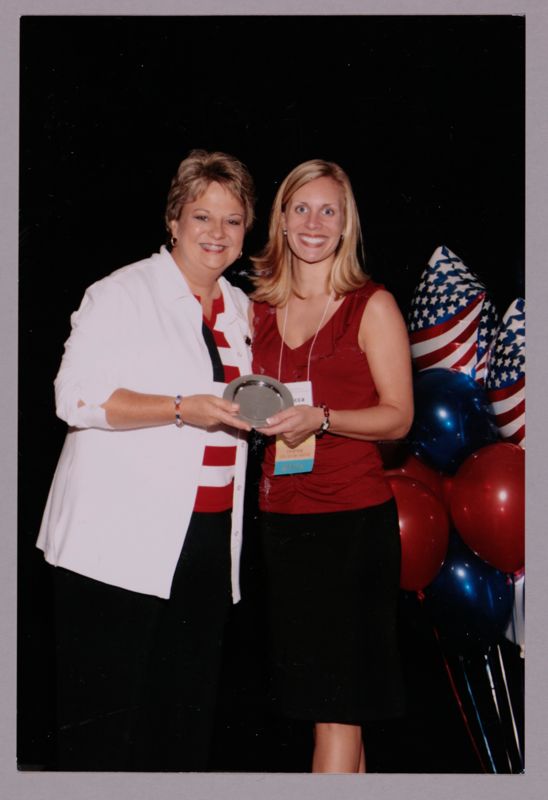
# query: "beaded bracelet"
(326, 422)
(178, 418)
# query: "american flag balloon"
(505, 382)
(452, 320)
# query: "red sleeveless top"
(347, 473)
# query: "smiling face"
(314, 220)
(209, 233)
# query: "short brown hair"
(198, 170)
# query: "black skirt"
(137, 674)
(333, 583)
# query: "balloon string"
(477, 714)
(494, 695)
(463, 712)
(492, 685)
(421, 596)
(514, 726)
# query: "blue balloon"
(452, 418)
(470, 602)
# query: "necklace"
(313, 340)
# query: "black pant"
(137, 674)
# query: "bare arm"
(383, 338)
(127, 409)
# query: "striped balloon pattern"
(452, 320)
(505, 383)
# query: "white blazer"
(121, 500)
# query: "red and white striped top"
(217, 473)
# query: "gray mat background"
(43, 786)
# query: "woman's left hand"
(295, 424)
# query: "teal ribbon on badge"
(293, 467)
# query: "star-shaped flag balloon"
(452, 320)
(505, 383)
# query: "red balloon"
(447, 488)
(424, 532)
(488, 504)
(412, 467)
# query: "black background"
(425, 113)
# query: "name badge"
(293, 460)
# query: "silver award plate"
(259, 397)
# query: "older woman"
(329, 522)
(143, 523)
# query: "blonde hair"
(273, 276)
(201, 168)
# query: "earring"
(284, 232)
(241, 253)
(173, 241)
